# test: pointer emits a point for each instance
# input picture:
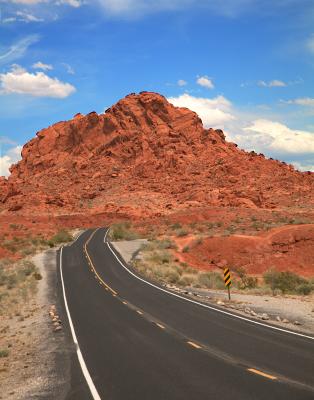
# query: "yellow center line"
(93, 268)
(124, 302)
(256, 371)
(196, 346)
(160, 326)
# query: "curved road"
(137, 341)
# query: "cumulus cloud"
(18, 80)
(213, 112)
(273, 83)
(12, 156)
(269, 135)
(205, 82)
(43, 66)
(182, 82)
(28, 2)
(272, 138)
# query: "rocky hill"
(144, 156)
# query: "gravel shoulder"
(36, 367)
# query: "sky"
(245, 66)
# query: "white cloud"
(227, 8)
(69, 69)
(306, 165)
(27, 17)
(266, 135)
(28, 2)
(302, 101)
(72, 3)
(18, 49)
(182, 82)
(251, 132)
(19, 81)
(273, 83)
(205, 82)
(10, 157)
(213, 112)
(43, 66)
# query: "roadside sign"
(227, 279)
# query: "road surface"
(137, 341)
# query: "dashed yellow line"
(124, 302)
(107, 287)
(196, 346)
(256, 371)
(160, 326)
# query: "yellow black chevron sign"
(227, 277)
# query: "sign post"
(227, 279)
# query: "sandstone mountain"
(145, 157)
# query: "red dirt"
(288, 248)
(145, 160)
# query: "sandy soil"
(33, 369)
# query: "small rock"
(285, 321)
(297, 323)
(58, 328)
(265, 316)
(278, 318)
(253, 313)
(247, 310)
(220, 303)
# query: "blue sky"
(246, 66)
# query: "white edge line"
(204, 305)
(86, 374)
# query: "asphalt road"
(136, 341)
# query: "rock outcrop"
(144, 156)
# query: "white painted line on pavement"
(204, 305)
(86, 374)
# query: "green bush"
(285, 281)
(62, 236)
(186, 249)
(182, 232)
(246, 282)
(4, 353)
(304, 288)
(122, 231)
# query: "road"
(136, 341)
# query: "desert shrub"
(176, 226)
(160, 257)
(186, 280)
(204, 279)
(182, 232)
(172, 275)
(122, 231)
(62, 236)
(285, 281)
(4, 353)
(304, 288)
(165, 244)
(186, 249)
(246, 282)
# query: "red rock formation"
(144, 156)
